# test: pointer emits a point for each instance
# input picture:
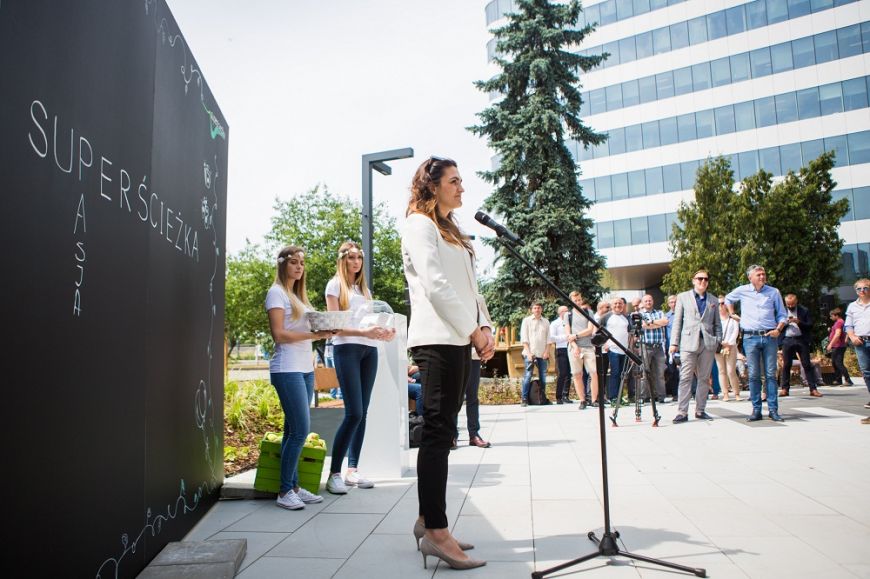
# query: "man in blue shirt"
(763, 316)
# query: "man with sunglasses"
(696, 334)
(858, 329)
(763, 316)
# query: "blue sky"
(308, 87)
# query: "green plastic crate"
(310, 467)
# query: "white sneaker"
(335, 485)
(290, 501)
(353, 479)
(307, 497)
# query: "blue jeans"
(863, 354)
(356, 366)
(617, 364)
(541, 364)
(415, 391)
(761, 350)
(294, 391)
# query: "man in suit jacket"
(795, 339)
(696, 334)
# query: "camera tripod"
(643, 384)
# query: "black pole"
(607, 545)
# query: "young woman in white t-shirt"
(291, 368)
(355, 355)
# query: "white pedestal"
(385, 452)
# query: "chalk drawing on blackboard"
(204, 405)
(153, 525)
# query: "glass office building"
(768, 83)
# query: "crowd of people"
(698, 349)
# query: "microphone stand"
(607, 545)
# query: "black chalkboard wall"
(113, 156)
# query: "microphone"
(499, 229)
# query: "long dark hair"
(424, 201)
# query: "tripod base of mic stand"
(607, 547)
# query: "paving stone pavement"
(760, 500)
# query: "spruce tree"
(536, 190)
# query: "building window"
(686, 127)
(683, 80)
(657, 228)
(654, 184)
(636, 184)
(701, 79)
(617, 141)
(602, 188)
(769, 159)
(811, 150)
(622, 232)
(721, 71)
(740, 67)
(668, 130)
(826, 46)
(765, 112)
(679, 35)
(704, 124)
(716, 27)
(839, 147)
(859, 147)
(786, 108)
(605, 235)
(759, 60)
(780, 58)
(790, 156)
(849, 41)
(756, 14)
(808, 103)
(671, 178)
(855, 93)
(630, 93)
(735, 19)
(697, 30)
(861, 202)
(831, 98)
(744, 116)
(724, 120)
(803, 52)
(619, 186)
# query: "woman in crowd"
(837, 347)
(446, 316)
(291, 368)
(355, 355)
(726, 359)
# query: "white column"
(385, 452)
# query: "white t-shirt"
(293, 356)
(357, 306)
(617, 324)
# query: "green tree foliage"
(536, 189)
(249, 275)
(320, 222)
(789, 226)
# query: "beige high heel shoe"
(420, 530)
(430, 549)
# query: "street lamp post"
(376, 161)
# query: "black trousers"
(790, 347)
(563, 374)
(443, 374)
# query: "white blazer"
(445, 304)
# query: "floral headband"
(284, 258)
(345, 252)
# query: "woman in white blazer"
(446, 316)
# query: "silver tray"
(329, 321)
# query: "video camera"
(636, 323)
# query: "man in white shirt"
(617, 324)
(535, 337)
(563, 368)
(858, 329)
